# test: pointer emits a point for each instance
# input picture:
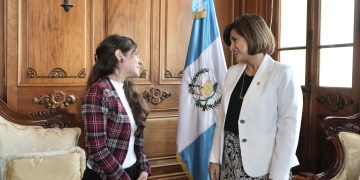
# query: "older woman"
(258, 126)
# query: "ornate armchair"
(344, 135)
(40, 146)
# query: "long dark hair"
(105, 65)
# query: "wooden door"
(322, 96)
(338, 95)
(162, 32)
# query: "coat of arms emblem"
(204, 90)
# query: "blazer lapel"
(232, 81)
(261, 76)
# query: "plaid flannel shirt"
(107, 132)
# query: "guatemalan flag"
(201, 89)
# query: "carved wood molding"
(156, 96)
(332, 125)
(82, 73)
(52, 118)
(59, 121)
(334, 102)
(55, 100)
(43, 113)
(169, 75)
(31, 73)
(143, 74)
(55, 73)
(307, 87)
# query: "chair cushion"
(55, 165)
(18, 139)
(351, 145)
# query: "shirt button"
(243, 140)
(242, 121)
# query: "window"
(292, 46)
(333, 46)
(336, 43)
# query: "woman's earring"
(121, 60)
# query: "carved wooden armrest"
(50, 118)
(311, 176)
(332, 126)
(302, 176)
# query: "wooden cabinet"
(48, 53)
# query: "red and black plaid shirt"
(107, 132)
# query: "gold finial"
(201, 12)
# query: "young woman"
(114, 114)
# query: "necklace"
(242, 87)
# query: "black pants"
(89, 174)
(132, 172)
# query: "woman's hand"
(143, 176)
(214, 171)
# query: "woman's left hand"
(143, 176)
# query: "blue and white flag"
(201, 89)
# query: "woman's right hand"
(214, 171)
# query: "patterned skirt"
(232, 167)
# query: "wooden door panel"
(335, 101)
(175, 29)
(160, 135)
(326, 102)
(53, 44)
(225, 14)
(161, 96)
(47, 47)
(156, 27)
(260, 7)
(135, 20)
(34, 98)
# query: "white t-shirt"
(130, 158)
